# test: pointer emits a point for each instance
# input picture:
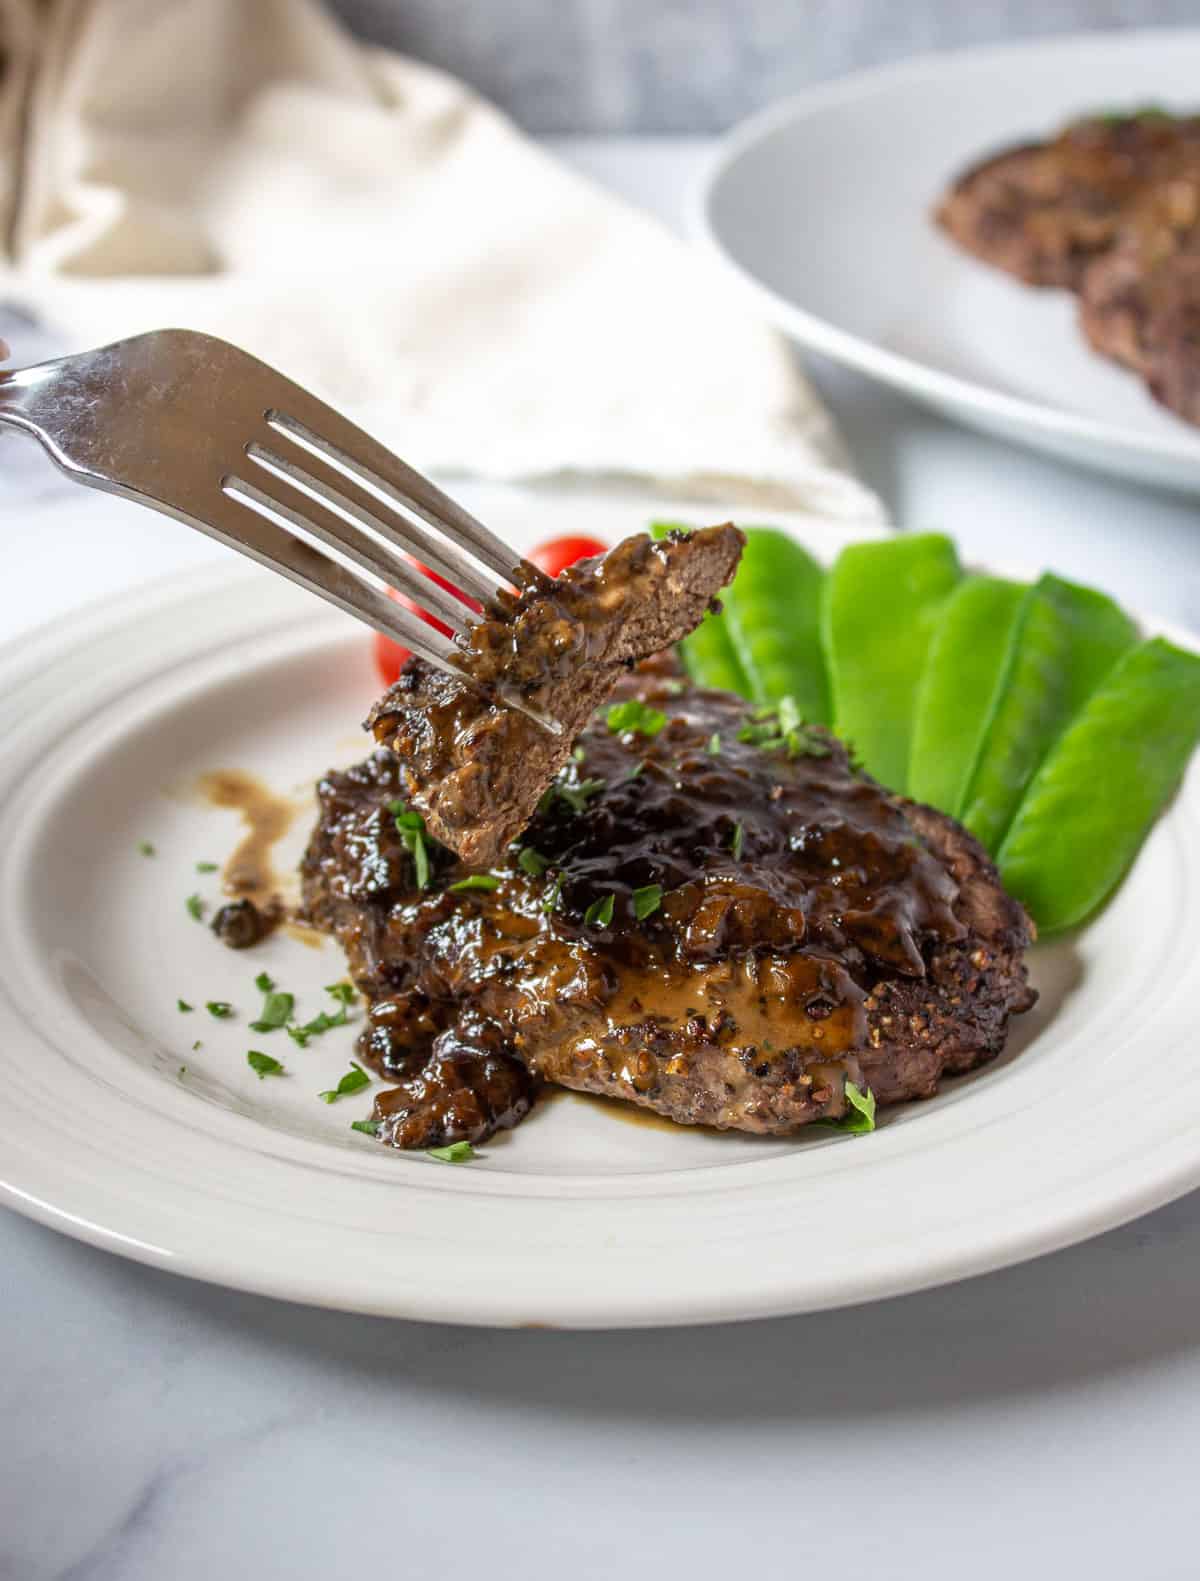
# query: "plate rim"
(895, 369)
(626, 1307)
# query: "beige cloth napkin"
(378, 232)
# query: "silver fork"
(191, 426)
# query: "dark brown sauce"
(626, 1113)
(303, 934)
(248, 872)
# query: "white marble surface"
(1042, 1420)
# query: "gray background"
(677, 66)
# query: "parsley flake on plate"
(600, 913)
(206, 867)
(220, 1008)
(367, 1127)
(276, 1012)
(486, 881)
(195, 907)
(736, 844)
(182, 1004)
(146, 848)
(344, 993)
(263, 1065)
(354, 1080)
(455, 1153)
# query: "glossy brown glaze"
(796, 895)
(474, 765)
(256, 908)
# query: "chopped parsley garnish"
(477, 881)
(737, 842)
(367, 1127)
(263, 1065)
(196, 1045)
(146, 848)
(550, 900)
(600, 913)
(182, 1004)
(576, 796)
(456, 1153)
(636, 770)
(314, 1028)
(635, 716)
(859, 1117)
(531, 862)
(263, 983)
(345, 994)
(646, 901)
(714, 746)
(221, 1008)
(354, 1080)
(195, 907)
(206, 867)
(276, 1012)
(781, 729)
(410, 826)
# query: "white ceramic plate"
(576, 1218)
(822, 204)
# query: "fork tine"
(318, 427)
(236, 522)
(381, 516)
(299, 496)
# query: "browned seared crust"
(842, 935)
(476, 767)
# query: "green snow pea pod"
(1066, 638)
(773, 617)
(708, 653)
(881, 604)
(1093, 800)
(960, 688)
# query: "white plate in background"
(822, 205)
(577, 1218)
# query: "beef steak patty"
(474, 765)
(723, 921)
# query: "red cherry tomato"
(552, 557)
(556, 554)
(391, 656)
